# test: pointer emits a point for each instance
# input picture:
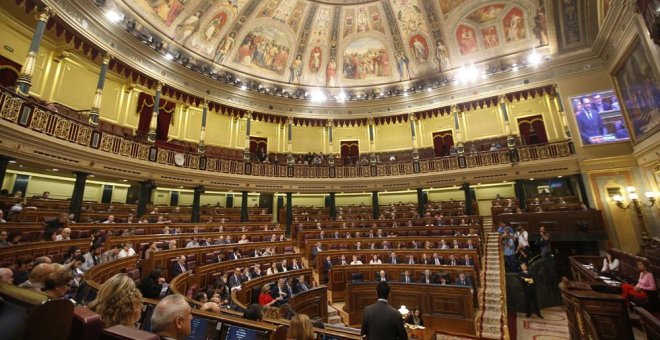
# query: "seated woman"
(415, 318)
(265, 299)
(118, 302)
(645, 284)
(610, 264)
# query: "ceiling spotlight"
(318, 96)
(56, 170)
(169, 56)
(468, 74)
(114, 16)
(243, 87)
(428, 89)
(12, 161)
(534, 58)
(405, 93)
(514, 67)
(342, 96)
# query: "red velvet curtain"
(9, 71)
(165, 113)
(532, 130)
(350, 149)
(257, 143)
(442, 143)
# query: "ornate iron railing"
(26, 113)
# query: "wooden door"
(442, 143)
(532, 130)
(350, 151)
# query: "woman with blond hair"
(301, 328)
(118, 302)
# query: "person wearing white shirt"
(355, 261)
(523, 237)
(126, 251)
(243, 239)
(2, 214)
(375, 260)
(111, 219)
(610, 264)
(193, 243)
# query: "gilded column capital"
(45, 14)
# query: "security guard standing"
(529, 288)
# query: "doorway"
(532, 130)
(350, 152)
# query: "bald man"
(6, 275)
(65, 235)
(37, 277)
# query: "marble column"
(151, 137)
(197, 197)
(244, 206)
(201, 146)
(94, 113)
(78, 194)
(24, 81)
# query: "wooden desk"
(340, 276)
(447, 308)
(563, 226)
(349, 244)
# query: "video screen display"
(203, 329)
(599, 118)
(234, 332)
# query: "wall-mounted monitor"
(599, 118)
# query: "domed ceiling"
(333, 43)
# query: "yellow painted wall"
(355, 199)
(119, 194)
(487, 193)
(266, 130)
(308, 139)
(426, 128)
(307, 200)
(445, 194)
(212, 198)
(396, 197)
(482, 123)
(393, 137)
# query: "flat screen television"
(204, 329)
(235, 332)
(599, 119)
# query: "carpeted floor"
(554, 325)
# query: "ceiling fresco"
(343, 43)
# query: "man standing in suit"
(235, 280)
(327, 265)
(380, 320)
(529, 288)
(589, 121)
(179, 266)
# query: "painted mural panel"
(467, 39)
(447, 6)
(366, 58)
(419, 47)
(486, 13)
(489, 37)
(514, 25)
(264, 48)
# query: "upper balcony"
(33, 133)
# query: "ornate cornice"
(88, 20)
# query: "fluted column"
(98, 95)
(560, 108)
(24, 81)
(331, 151)
(457, 131)
(372, 146)
(248, 122)
(151, 137)
(289, 141)
(289, 212)
(413, 134)
(201, 146)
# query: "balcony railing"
(26, 113)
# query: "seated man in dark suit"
(462, 280)
(280, 290)
(235, 280)
(301, 286)
(179, 267)
(380, 320)
(427, 277)
(406, 277)
(317, 248)
(235, 254)
(393, 259)
(381, 276)
(437, 260)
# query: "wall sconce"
(636, 205)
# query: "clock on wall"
(179, 159)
